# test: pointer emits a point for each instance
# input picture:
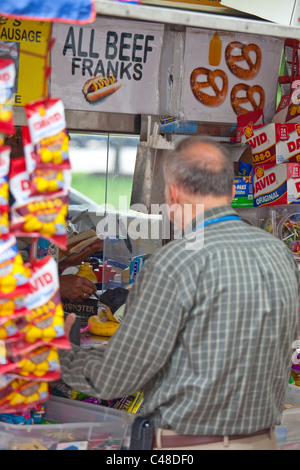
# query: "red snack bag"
(45, 322)
(18, 182)
(7, 83)
(21, 394)
(253, 118)
(12, 308)
(40, 364)
(9, 330)
(46, 179)
(36, 216)
(293, 110)
(4, 192)
(14, 274)
(3, 360)
(47, 128)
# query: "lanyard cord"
(219, 219)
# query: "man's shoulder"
(175, 257)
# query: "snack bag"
(18, 182)
(47, 129)
(4, 191)
(12, 308)
(46, 179)
(14, 274)
(293, 110)
(22, 394)
(7, 83)
(3, 358)
(36, 216)
(41, 363)
(292, 56)
(45, 322)
(9, 330)
(253, 118)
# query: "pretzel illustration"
(243, 73)
(248, 93)
(205, 98)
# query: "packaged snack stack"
(31, 313)
(41, 193)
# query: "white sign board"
(120, 58)
(228, 73)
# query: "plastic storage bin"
(293, 395)
(288, 433)
(81, 426)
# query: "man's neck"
(197, 206)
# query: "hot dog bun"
(99, 87)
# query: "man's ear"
(232, 192)
(173, 194)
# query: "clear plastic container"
(80, 426)
(288, 433)
(293, 395)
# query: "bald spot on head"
(200, 166)
(206, 156)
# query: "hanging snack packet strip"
(4, 191)
(7, 83)
(36, 216)
(47, 179)
(41, 363)
(14, 274)
(21, 394)
(12, 308)
(47, 128)
(9, 330)
(44, 325)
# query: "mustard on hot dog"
(97, 88)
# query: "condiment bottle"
(215, 49)
(86, 270)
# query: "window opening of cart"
(102, 178)
(90, 165)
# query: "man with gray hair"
(209, 323)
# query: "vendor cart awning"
(65, 11)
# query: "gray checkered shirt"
(207, 334)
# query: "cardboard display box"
(243, 191)
(276, 185)
(273, 143)
(243, 181)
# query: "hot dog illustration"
(99, 87)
